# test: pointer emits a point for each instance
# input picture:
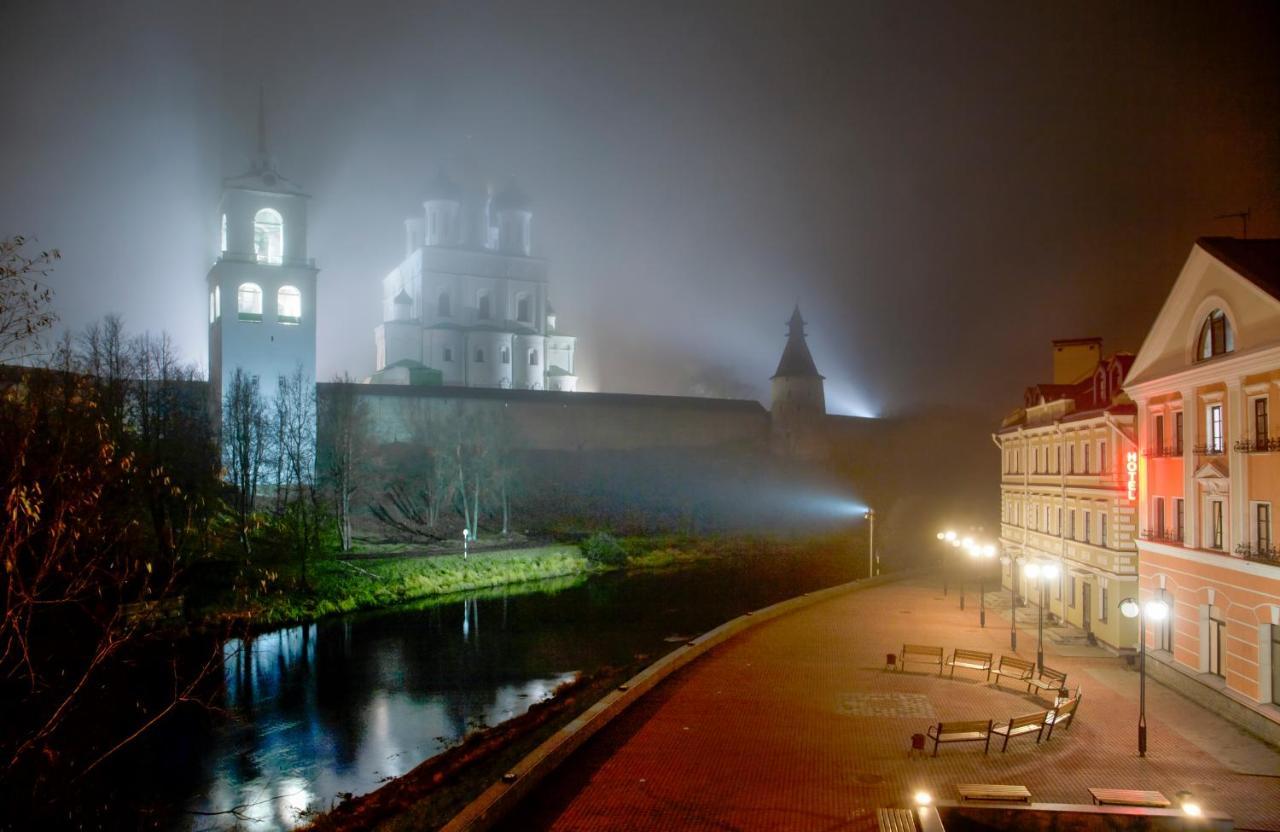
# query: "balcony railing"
(1259, 552)
(1163, 535)
(1260, 445)
(1172, 450)
(1210, 449)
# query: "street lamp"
(946, 537)
(1156, 610)
(1012, 560)
(965, 544)
(466, 538)
(870, 516)
(1041, 573)
(981, 553)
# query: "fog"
(942, 187)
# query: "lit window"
(212, 308)
(224, 233)
(289, 305)
(1216, 337)
(268, 237)
(217, 302)
(533, 358)
(249, 302)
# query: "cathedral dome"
(442, 188)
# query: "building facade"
(262, 285)
(469, 301)
(1207, 385)
(1066, 493)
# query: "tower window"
(1216, 337)
(483, 307)
(442, 305)
(217, 302)
(506, 356)
(448, 354)
(268, 237)
(249, 302)
(212, 309)
(289, 305)
(523, 313)
(533, 358)
(479, 356)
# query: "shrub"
(601, 549)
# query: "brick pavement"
(795, 725)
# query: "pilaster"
(1190, 499)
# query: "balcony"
(1261, 445)
(1163, 535)
(1263, 553)
(1156, 453)
(1210, 449)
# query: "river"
(311, 712)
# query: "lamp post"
(466, 538)
(1013, 602)
(1041, 573)
(947, 537)
(1156, 610)
(981, 553)
(870, 517)
(967, 545)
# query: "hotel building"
(1068, 491)
(1207, 383)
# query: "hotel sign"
(1131, 470)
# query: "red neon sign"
(1131, 468)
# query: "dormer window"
(249, 302)
(289, 305)
(268, 237)
(1216, 337)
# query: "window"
(1046, 518)
(1071, 524)
(1071, 459)
(533, 358)
(523, 313)
(1071, 591)
(1086, 527)
(1261, 430)
(1216, 337)
(506, 355)
(448, 354)
(249, 302)
(289, 305)
(1213, 428)
(1059, 521)
(1262, 518)
(1215, 530)
(212, 308)
(1102, 614)
(1084, 456)
(479, 356)
(268, 237)
(1178, 517)
(1160, 433)
(1158, 511)
(442, 305)
(224, 234)
(1057, 459)
(1275, 664)
(1102, 530)
(1217, 635)
(1177, 427)
(1164, 629)
(1102, 457)
(484, 307)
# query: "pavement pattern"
(796, 725)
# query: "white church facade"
(468, 306)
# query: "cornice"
(1211, 372)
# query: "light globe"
(1129, 608)
(1156, 610)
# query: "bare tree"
(346, 427)
(25, 311)
(295, 407)
(244, 446)
(423, 480)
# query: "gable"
(1205, 283)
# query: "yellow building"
(1066, 493)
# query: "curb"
(504, 795)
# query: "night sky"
(944, 187)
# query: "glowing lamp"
(988, 551)
(950, 535)
(1129, 608)
(967, 542)
(942, 535)
(923, 798)
(1049, 571)
(1031, 570)
(1157, 610)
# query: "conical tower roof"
(796, 360)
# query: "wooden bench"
(1129, 797)
(989, 791)
(922, 653)
(1021, 725)
(971, 659)
(1015, 668)
(1047, 679)
(896, 820)
(1064, 714)
(973, 731)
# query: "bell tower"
(262, 286)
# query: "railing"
(1210, 449)
(1259, 552)
(1261, 445)
(1172, 450)
(1163, 535)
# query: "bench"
(1015, 668)
(896, 820)
(973, 731)
(971, 659)
(1020, 725)
(1129, 797)
(1047, 680)
(989, 791)
(922, 653)
(1064, 714)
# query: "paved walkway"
(795, 725)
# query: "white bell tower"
(262, 286)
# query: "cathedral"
(468, 305)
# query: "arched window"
(217, 302)
(506, 356)
(224, 234)
(479, 355)
(448, 355)
(1216, 337)
(249, 302)
(523, 313)
(289, 305)
(268, 237)
(483, 307)
(533, 358)
(442, 306)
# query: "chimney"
(1075, 359)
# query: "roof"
(1086, 398)
(1256, 260)
(554, 397)
(796, 361)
